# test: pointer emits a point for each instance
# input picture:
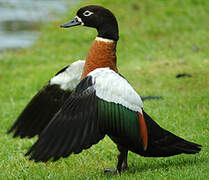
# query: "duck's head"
(96, 17)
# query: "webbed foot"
(111, 171)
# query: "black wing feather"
(40, 110)
(163, 143)
(74, 128)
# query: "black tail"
(162, 143)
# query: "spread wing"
(44, 105)
(97, 107)
(74, 128)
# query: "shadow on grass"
(164, 164)
(157, 166)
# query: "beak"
(74, 22)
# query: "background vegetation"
(158, 40)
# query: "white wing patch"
(111, 87)
(69, 79)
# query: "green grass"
(158, 39)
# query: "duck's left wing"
(43, 106)
(103, 103)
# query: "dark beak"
(74, 22)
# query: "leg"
(122, 161)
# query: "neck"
(101, 54)
(108, 28)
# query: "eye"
(88, 13)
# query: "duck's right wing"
(40, 110)
(102, 103)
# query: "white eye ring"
(88, 13)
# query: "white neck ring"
(103, 39)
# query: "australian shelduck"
(90, 99)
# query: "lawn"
(158, 40)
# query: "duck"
(89, 99)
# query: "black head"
(96, 17)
